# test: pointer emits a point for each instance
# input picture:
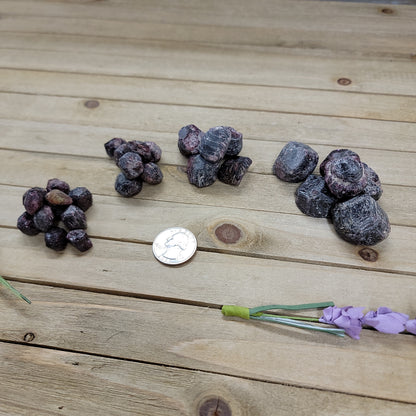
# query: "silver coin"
(174, 245)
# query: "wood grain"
(209, 278)
(74, 383)
(269, 24)
(285, 67)
(212, 95)
(113, 331)
(199, 338)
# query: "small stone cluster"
(213, 155)
(346, 191)
(46, 208)
(137, 161)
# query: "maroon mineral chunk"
(313, 198)
(112, 145)
(152, 174)
(361, 221)
(44, 218)
(74, 217)
(232, 170)
(120, 151)
(57, 197)
(26, 224)
(127, 187)
(214, 144)
(155, 152)
(336, 154)
(236, 142)
(188, 140)
(345, 176)
(33, 199)
(200, 172)
(56, 183)
(131, 165)
(373, 187)
(295, 162)
(55, 239)
(81, 197)
(79, 239)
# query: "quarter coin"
(174, 245)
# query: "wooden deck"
(115, 332)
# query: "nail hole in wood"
(29, 336)
(92, 103)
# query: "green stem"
(297, 318)
(253, 311)
(291, 322)
(13, 290)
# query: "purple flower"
(411, 326)
(385, 320)
(347, 318)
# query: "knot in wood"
(344, 81)
(91, 103)
(214, 407)
(368, 254)
(228, 233)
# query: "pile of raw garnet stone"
(213, 155)
(137, 161)
(346, 191)
(59, 212)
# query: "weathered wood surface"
(113, 331)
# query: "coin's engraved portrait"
(175, 245)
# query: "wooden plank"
(199, 338)
(267, 24)
(276, 196)
(212, 95)
(286, 68)
(262, 234)
(209, 278)
(119, 115)
(76, 384)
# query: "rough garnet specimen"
(127, 187)
(200, 172)
(120, 151)
(131, 165)
(313, 198)
(152, 174)
(236, 142)
(112, 145)
(44, 218)
(336, 154)
(55, 238)
(361, 220)
(57, 197)
(295, 162)
(214, 144)
(373, 187)
(74, 217)
(79, 239)
(81, 197)
(26, 224)
(56, 183)
(232, 170)
(33, 199)
(188, 140)
(345, 176)
(155, 152)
